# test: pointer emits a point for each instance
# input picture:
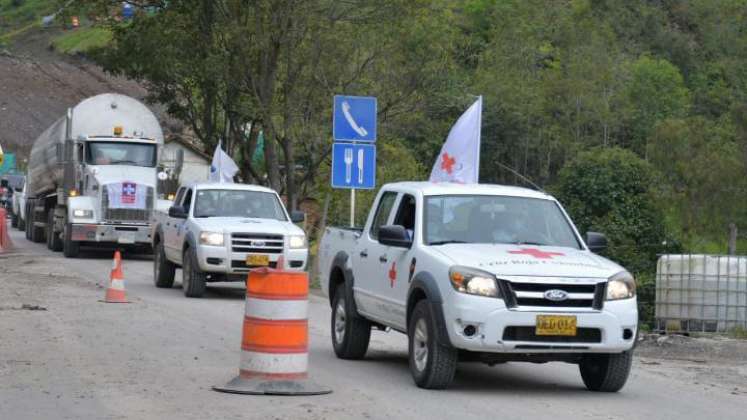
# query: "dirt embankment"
(37, 85)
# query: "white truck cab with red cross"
(482, 273)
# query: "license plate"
(556, 325)
(258, 260)
(126, 238)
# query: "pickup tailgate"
(336, 240)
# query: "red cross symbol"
(392, 275)
(447, 163)
(536, 253)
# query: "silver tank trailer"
(95, 116)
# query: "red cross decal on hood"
(536, 253)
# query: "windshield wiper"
(131, 162)
(451, 241)
(528, 243)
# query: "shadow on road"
(478, 378)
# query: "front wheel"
(432, 364)
(193, 280)
(70, 248)
(163, 269)
(350, 333)
(606, 372)
(21, 224)
(13, 220)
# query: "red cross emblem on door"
(536, 253)
(393, 275)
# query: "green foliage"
(610, 191)
(82, 40)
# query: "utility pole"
(732, 248)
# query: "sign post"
(354, 148)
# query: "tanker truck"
(92, 176)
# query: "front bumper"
(121, 233)
(617, 325)
(218, 259)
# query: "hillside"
(39, 84)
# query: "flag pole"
(352, 207)
(479, 140)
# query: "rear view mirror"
(177, 212)
(395, 235)
(596, 242)
(297, 216)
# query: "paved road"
(158, 357)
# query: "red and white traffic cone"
(116, 293)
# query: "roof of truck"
(450, 188)
(228, 186)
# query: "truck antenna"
(515, 172)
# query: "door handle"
(364, 254)
(383, 258)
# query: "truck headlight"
(211, 238)
(83, 214)
(297, 242)
(473, 282)
(621, 286)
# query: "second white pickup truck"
(479, 273)
(218, 232)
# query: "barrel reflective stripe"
(257, 364)
(276, 309)
(278, 286)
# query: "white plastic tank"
(701, 293)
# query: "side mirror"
(177, 212)
(596, 242)
(298, 216)
(395, 235)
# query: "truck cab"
(219, 231)
(479, 273)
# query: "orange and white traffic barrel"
(275, 336)
(4, 238)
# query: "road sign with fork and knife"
(354, 150)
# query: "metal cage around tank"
(701, 293)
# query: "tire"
(49, 231)
(432, 364)
(163, 269)
(350, 332)
(55, 241)
(606, 372)
(37, 233)
(21, 224)
(70, 248)
(193, 280)
(13, 220)
(28, 224)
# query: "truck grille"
(127, 215)
(589, 295)
(257, 243)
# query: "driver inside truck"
(101, 158)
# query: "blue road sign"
(353, 165)
(354, 118)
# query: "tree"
(612, 191)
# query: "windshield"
(121, 153)
(238, 203)
(496, 219)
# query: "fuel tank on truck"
(93, 117)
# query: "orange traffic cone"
(4, 238)
(116, 293)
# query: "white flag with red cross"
(459, 160)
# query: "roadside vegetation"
(633, 113)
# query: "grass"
(16, 19)
(82, 40)
(739, 333)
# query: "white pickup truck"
(481, 273)
(218, 232)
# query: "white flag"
(223, 168)
(459, 160)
